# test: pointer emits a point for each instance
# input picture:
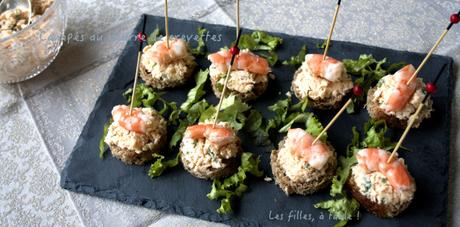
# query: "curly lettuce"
(234, 186)
(200, 49)
(261, 41)
(297, 60)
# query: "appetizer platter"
(231, 128)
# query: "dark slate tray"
(264, 204)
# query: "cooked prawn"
(245, 60)
(330, 69)
(161, 54)
(374, 159)
(217, 135)
(135, 122)
(402, 93)
(315, 155)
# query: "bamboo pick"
(334, 20)
(409, 126)
(237, 17)
(444, 33)
(166, 24)
(222, 95)
(333, 120)
(427, 56)
(413, 117)
(139, 55)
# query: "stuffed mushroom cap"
(210, 152)
(324, 83)
(384, 189)
(394, 101)
(134, 138)
(248, 78)
(162, 67)
(300, 167)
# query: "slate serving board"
(264, 204)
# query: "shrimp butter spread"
(141, 131)
(382, 182)
(14, 20)
(320, 79)
(395, 97)
(248, 70)
(206, 147)
(300, 159)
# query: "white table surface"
(42, 118)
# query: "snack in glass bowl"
(26, 49)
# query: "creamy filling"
(376, 187)
(317, 88)
(240, 80)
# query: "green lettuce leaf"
(147, 97)
(367, 71)
(201, 48)
(254, 126)
(232, 112)
(153, 37)
(102, 145)
(323, 44)
(261, 41)
(295, 118)
(314, 127)
(160, 165)
(341, 175)
(297, 60)
(197, 92)
(234, 186)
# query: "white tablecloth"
(42, 118)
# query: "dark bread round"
(303, 187)
(332, 102)
(380, 210)
(375, 112)
(259, 89)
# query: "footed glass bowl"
(28, 52)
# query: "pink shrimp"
(316, 155)
(245, 60)
(217, 135)
(161, 54)
(330, 69)
(402, 93)
(134, 122)
(374, 159)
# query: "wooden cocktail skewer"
(333, 120)
(331, 30)
(454, 18)
(431, 88)
(141, 37)
(234, 51)
(166, 24)
(237, 17)
(328, 41)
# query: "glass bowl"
(28, 52)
